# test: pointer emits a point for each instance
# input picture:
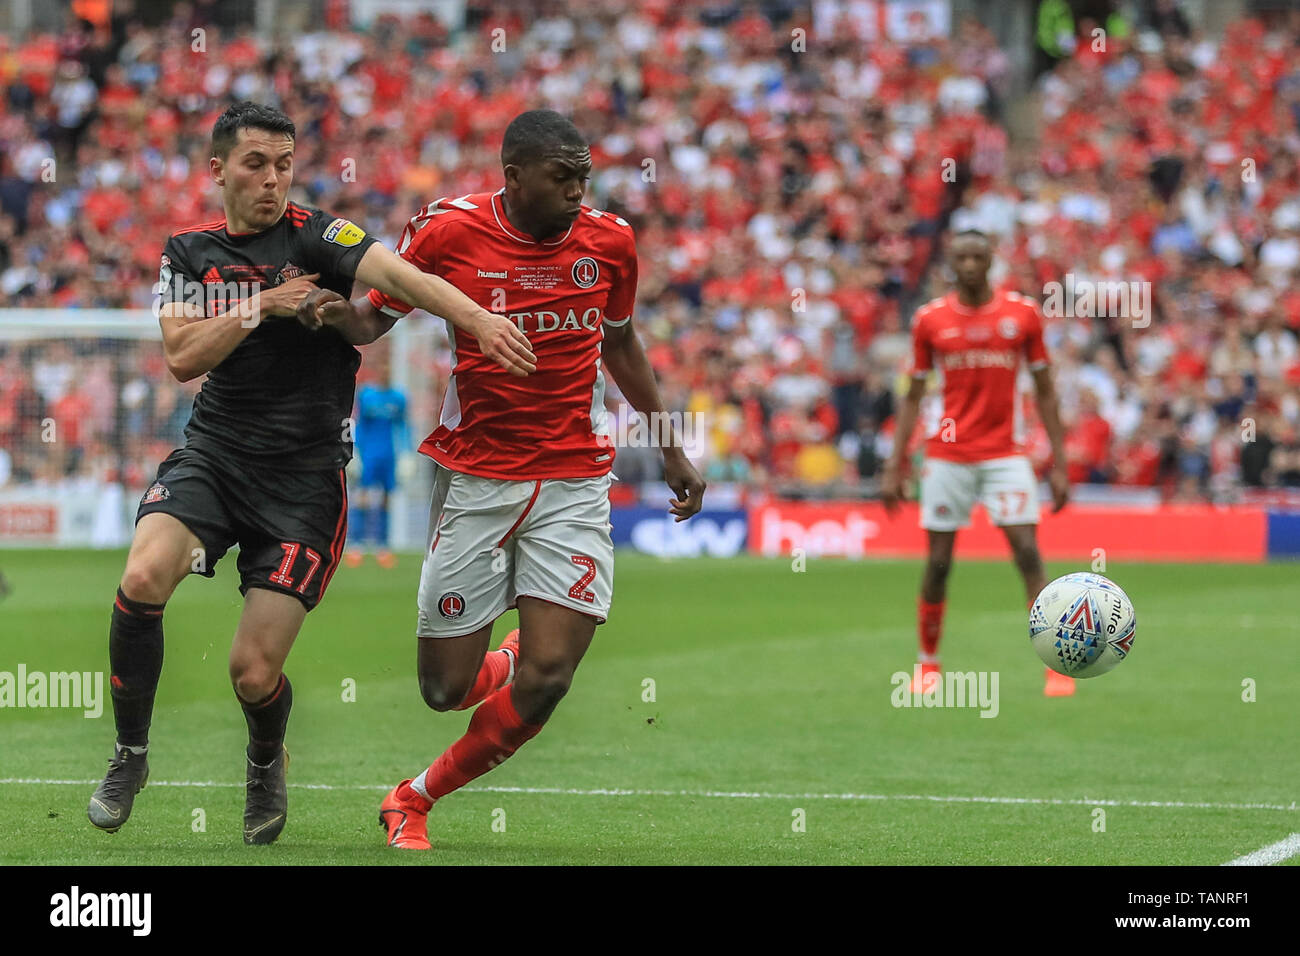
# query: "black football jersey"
(283, 397)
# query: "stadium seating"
(788, 208)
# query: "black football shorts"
(290, 526)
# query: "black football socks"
(267, 720)
(135, 657)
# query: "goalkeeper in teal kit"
(382, 440)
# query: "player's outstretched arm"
(1049, 410)
(194, 344)
(626, 361)
(498, 338)
(891, 481)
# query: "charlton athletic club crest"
(451, 605)
(585, 272)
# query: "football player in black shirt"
(265, 447)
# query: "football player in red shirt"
(520, 511)
(975, 339)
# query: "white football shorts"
(493, 541)
(1005, 486)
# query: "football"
(1082, 625)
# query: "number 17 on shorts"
(1005, 486)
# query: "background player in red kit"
(520, 512)
(976, 339)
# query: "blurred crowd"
(790, 173)
(1166, 158)
(96, 409)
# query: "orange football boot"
(406, 823)
(1058, 685)
(921, 676)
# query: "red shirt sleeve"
(419, 247)
(1035, 350)
(622, 293)
(922, 354)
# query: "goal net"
(88, 410)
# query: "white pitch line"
(1268, 855)
(721, 794)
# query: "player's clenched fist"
(322, 307)
(501, 340)
(284, 299)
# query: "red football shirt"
(561, 293)
(977, 353)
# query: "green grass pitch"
(771, 738)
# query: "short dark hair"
(246, 115)
(531, 135)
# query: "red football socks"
(496, 665)
(495, 732)
(929, 626)
(407, 794)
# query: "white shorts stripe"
(498, 540)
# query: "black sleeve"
(176, 279)
(334, 245)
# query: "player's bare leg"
(938, 562)
(267, 628)
(163, 552)
(552, 641)
(449, 666)
(1023, 539)
(934, 591)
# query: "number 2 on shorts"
(579, 591)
